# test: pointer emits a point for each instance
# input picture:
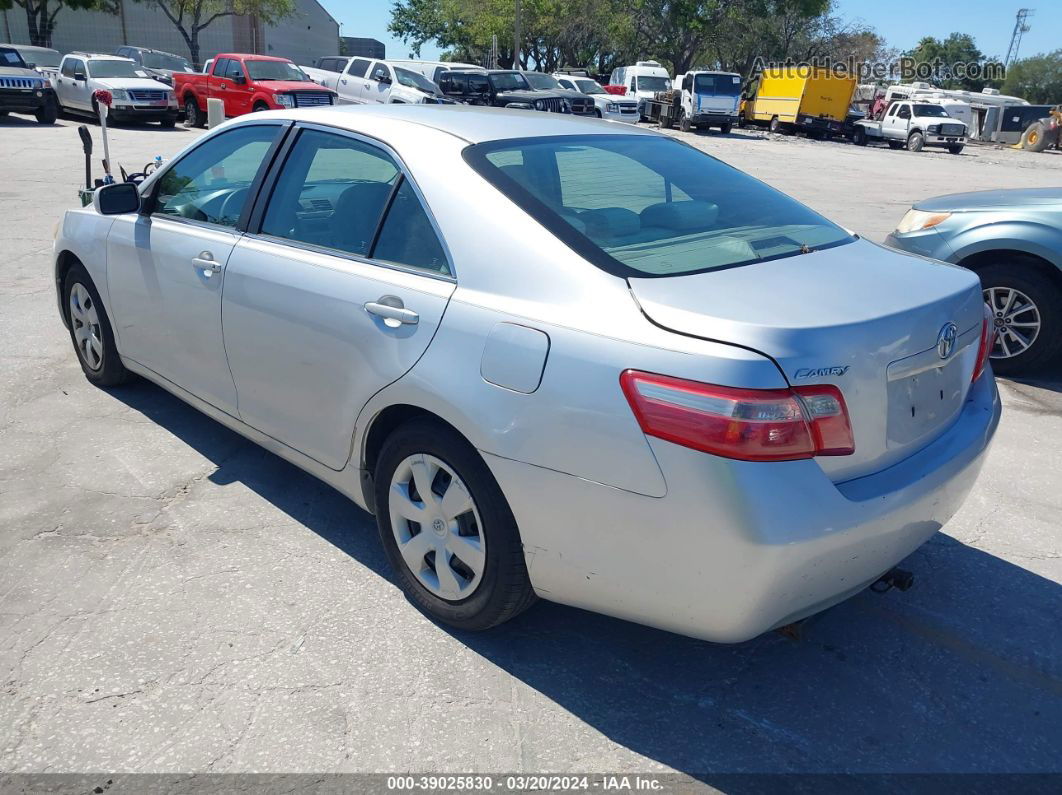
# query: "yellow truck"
(791, 98)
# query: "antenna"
(1020, 27)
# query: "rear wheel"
(1027, 308)
(447, 529)
(775, 125)
(915, 142)
(193, 117)
(90, 330)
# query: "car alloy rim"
(437, 527)
(86, 327)
(1017, 321)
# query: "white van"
(433, 70)
(642, 81)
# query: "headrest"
(610, 222)
(683, 215)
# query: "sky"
(901, 22)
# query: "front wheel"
(915, 142)
(859, 136)
(725, 129)
(90, 330)
(684, 122)
(168, 124)
(48, 112)
(260, 106)
(1035, 137)
(1027, 310)
(956, 150)
(895, 144)
(447, 529)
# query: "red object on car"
(247, 83)
(617, 90)
(103, 97)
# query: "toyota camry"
(556, 357)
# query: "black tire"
(742, 122)
(775, 126)
(684, 122)
(109, 371)
(168, 124)
(3, 113)
(504, 589)
(725, 129)
(1046, 348)
(895, 144)
(859, 136)
(956, 150)
(915, 142)
(597, 113)
(48, 112)
(260, 106)
(193, 116)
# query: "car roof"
(467, 122)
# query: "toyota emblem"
(946, 340)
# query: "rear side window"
(334, 191)
(221, 66)
(212, 182)
(358, 67)
(647, 206)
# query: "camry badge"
(946, 340)
(820, 372)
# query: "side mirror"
(239, 79)
(79, 77)
(385, 79)
(116, 199)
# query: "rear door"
(325, 304)
(352, 83)
(216, 83)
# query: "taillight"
(988, 341)
(747, 424)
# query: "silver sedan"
(555, 357)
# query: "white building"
(308, 33)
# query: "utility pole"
(517, 37)
(1020, 27)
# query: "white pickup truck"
(914, 126)
(360, 81)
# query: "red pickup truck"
(247, 83)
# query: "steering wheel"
(233, 204)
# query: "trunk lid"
(860, 316)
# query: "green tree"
(41, 14)
(192, 17)
(958, 48)
(1037, 79)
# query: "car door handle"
(390, 308)
(206, 263)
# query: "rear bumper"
(737, 548)
(818, 124)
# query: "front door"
(378, 88)
(166, 266)
(337, 295)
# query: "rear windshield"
(640, 205)
(717, 85)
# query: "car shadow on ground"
(962, 673)
(1050, 380)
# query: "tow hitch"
(893, 578)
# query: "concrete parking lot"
(173, 598)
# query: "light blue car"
(1012, 239)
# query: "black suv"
(24, 90)
(160, 65)
(501, 89)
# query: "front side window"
(379, 73)
(72, 66)
(234, 71)
(333, 192)
(665, 208)
(904, 112)
(212, 182)
(275, 70)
